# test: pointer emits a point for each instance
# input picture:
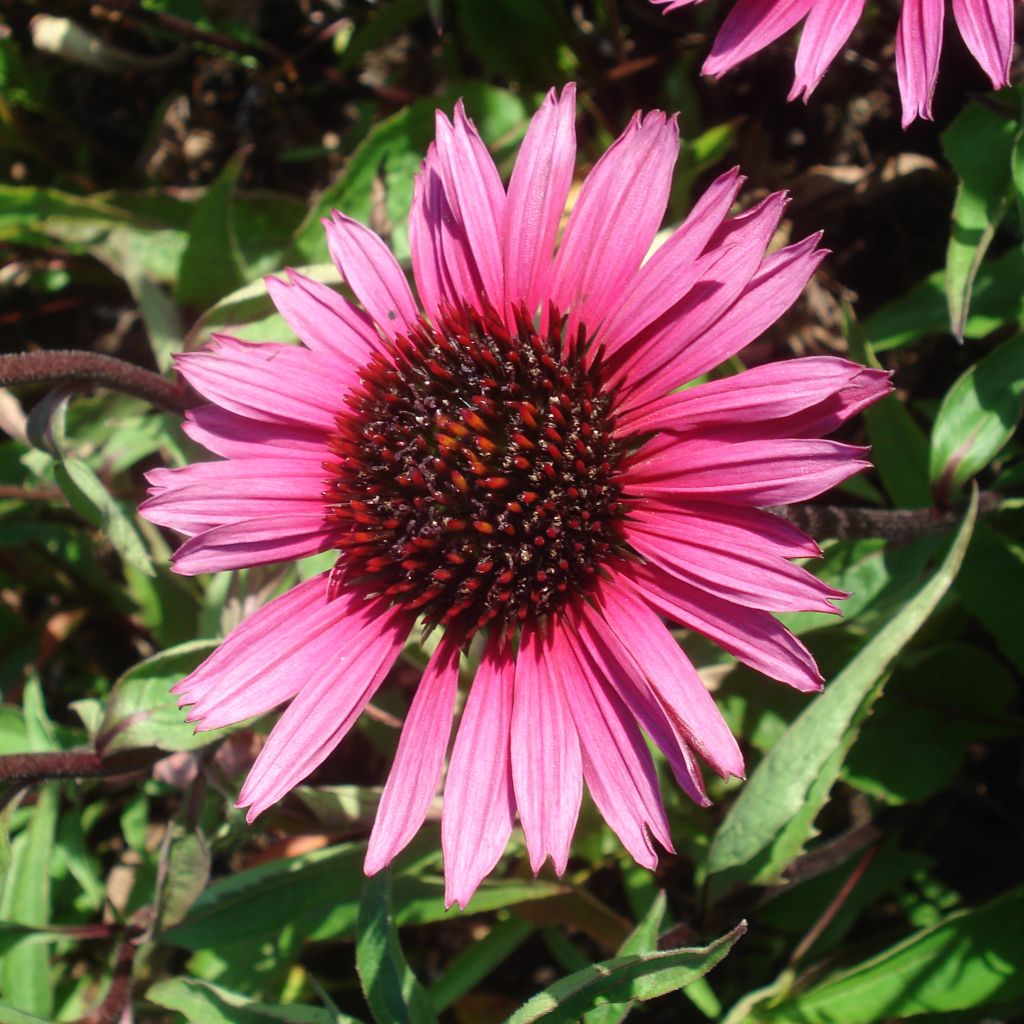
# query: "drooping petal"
(753, 636)
(621, 673)
(617, 765)
(828, 26)
(768, 392)
(372, 272)
(205, 495)
(668, 275)
(249, 542)
(659, 660)
(416, 770)
(476, 196)
(775, 472)
(547, 771)
(750, 26)
(332, 697)
(615, 219)
(268, 657)
(724, 526)
(323, 319)
(918, 45)
(742, 575)
(987, 28)
(238, 437)
(267, 381)
(479, 803)
(537, 193)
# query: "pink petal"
(474, 191)
(442, 262)
(547, 770)
(615, 219)
(208, 494)
(416, 770)
(752, 636)
(725, 526)
(775, 472)
(987, 28)
(372, 272)
(479, 804)
(237, 437)
(325, 320)
(742, 575)
(536, 198)
(336, 687)
(765, 297)
(617, 765)
(767, 392)
(265, 660)
(828, 26)
(673, 680)
(750, 26)
(673, 269)
(620, 671)
(918, 45)
(267, 381)
(653, 354)
(249, 542)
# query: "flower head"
(751, 25)
(509, 459)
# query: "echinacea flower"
(985, 25)
(508, 458)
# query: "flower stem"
(65, 366)
(900, 524)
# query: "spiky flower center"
(475, 472)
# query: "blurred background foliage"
(157, 158)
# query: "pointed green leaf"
(199, 1002)
(977, 417)
(392, 991)
(971, 958)
(979, 145)
(639, 976)
(773, 816)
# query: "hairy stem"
(60, 764)
(66, 366)
(901, 524)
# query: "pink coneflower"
(986, 27)
(507, 459)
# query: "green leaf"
(392, 991)
(185, 870)
(977, 417)
(391, 154)
(202, 1003)
(25, 969)
(915, 740)
(643, 939)
(970, 959)
(992, 578)
(9, 1015)
(773, 816)
(94, 503)
(979, 145)
(639, 976)
(142, 712)
(997, 299)
(319, 893)
(213, 265)
(520, 40)
(899, 448)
